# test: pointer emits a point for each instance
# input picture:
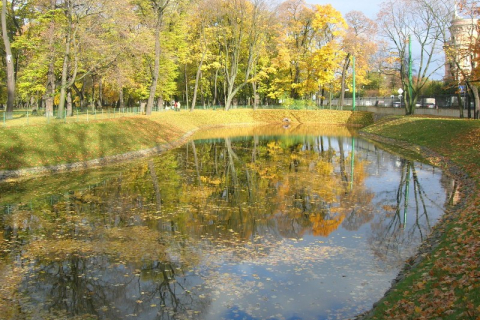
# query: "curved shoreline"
(467, 188)
(8, 175)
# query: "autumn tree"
(463, 52)
(108, 52)
(74, 12)
(308, 48)
(359, 42)
(154, 14)
(238, 30)
(422, 23)
(327, 55)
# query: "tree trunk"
(66, 58)
(156, 68)
(33, 104)
(121, 100)
(160, 103)
(186, 86)
(92, 100)
(100, 94)
(344, 78)
(476, 99)
(81, 95)
(69, 103)
(50, 91)
(460, 105)
(197, 79)
(215, 90)
(9, 61)
(255, 95)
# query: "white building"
(460, 50)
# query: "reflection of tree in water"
(236, 198)
(82, 285)
(405, 224)
(291, 186)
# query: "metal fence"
(448, 101)
(27, 117)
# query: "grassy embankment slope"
(444, 283)
(80, 141)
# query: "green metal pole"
(407, 189)
(410, 81)
(352, 163)
(353, 90)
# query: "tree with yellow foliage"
(308, 47)
(359, 43)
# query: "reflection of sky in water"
(342, 282)
(346, 279)
(315, 277)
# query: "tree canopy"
(68, 54)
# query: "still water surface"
(252, 227)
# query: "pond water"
(293, 226)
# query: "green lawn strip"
(63, 143)
(445, 283)
(24, 147)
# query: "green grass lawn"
(78, 141)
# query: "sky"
(369, 8)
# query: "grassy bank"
(444, 281)
(62, 143)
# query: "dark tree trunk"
(344, 77)
(121, 100)
(10, 66)
(50, 92)
(156, 68)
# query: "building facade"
(461, 50)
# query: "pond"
(275, 224)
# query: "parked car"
(397, 104)
(429, 105)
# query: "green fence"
(35, 117)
